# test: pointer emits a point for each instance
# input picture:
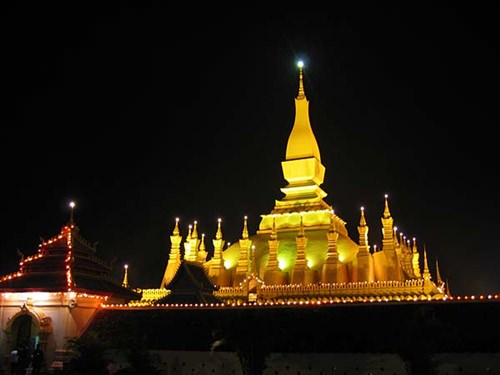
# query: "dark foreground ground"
(406, 329)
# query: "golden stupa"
(302, 251)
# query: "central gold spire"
(302, 142)
(302, 167)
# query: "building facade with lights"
(55, 294)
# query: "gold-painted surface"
(302, 250)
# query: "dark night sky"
(144, 114)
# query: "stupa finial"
(362, 220)
(426, 273)
(245, 228)
(218, 235)
(438, 273)
(387, 213)
(72, 205)
(194, 234)
(301, 94)
(125, 276)
(176, 228)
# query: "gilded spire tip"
(245, 228)
(362, 220)
(195, 229)
(176, 228)
(301, 94)
(125, 276)
(72, 205)
(387, 213)
(218, 235)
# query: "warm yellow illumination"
(303, 228)
(281, 264)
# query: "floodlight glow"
(300, 64)
(281, 264)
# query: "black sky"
(145, 113)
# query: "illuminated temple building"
(302, 250)
(301, 254)
(55, 294)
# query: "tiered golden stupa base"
(380, 291)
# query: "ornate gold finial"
(396, 236)
(362, 220)
(176, 228)
(72, 207)
(387, 213)
(427, 273)
(414, 249)
(125, 276)
(245, 228)
(447, 287)
(190, 228)
(194, 234)
(438, 273)
(301, 94)
(202, 244)
(218, 235)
